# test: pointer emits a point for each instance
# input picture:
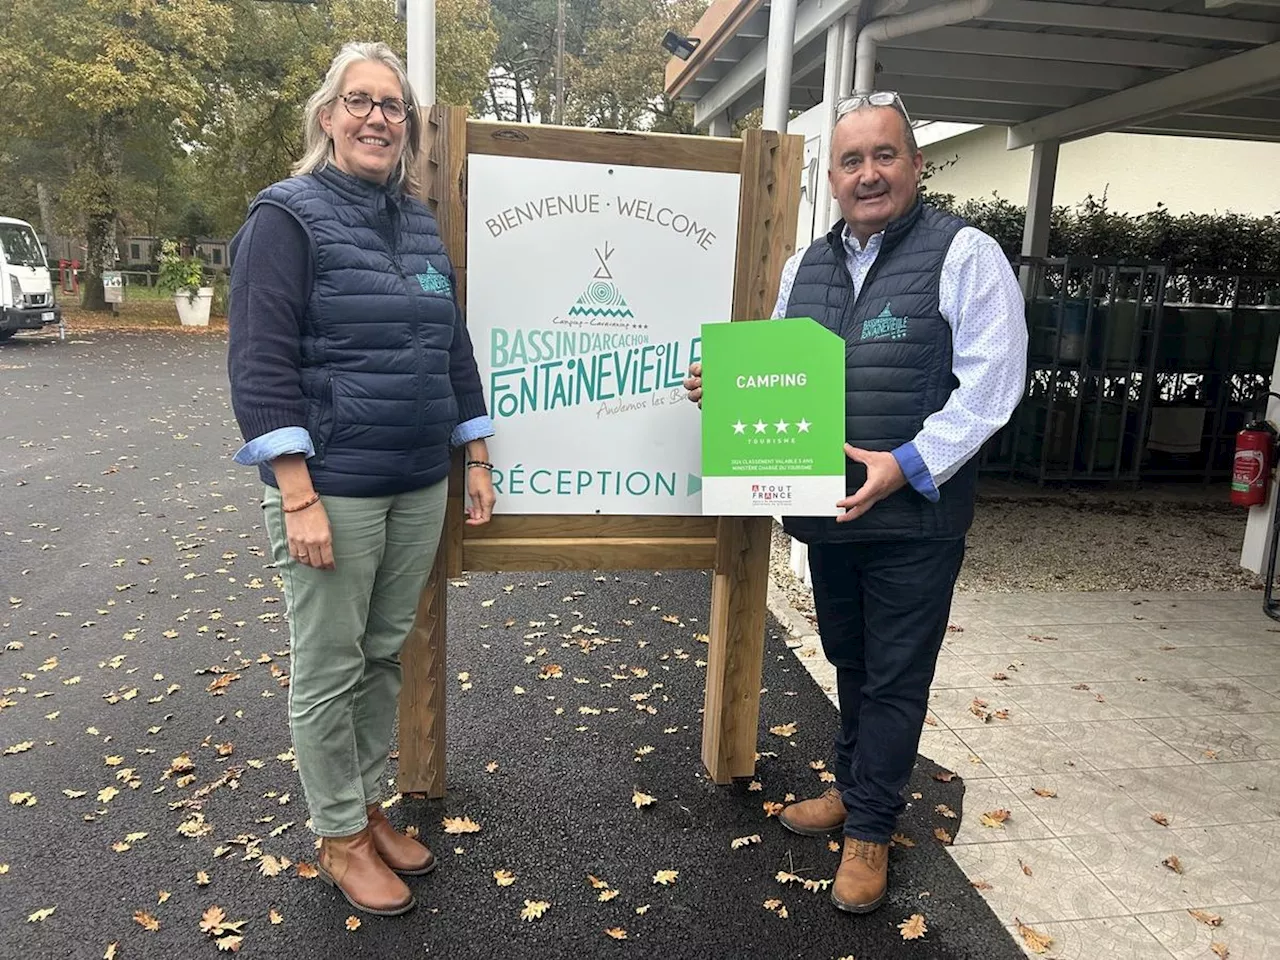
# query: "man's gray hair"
(318, 149)
(869, 102)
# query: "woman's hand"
(307, 530)
(480, 493)
(309, 535)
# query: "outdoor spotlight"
(679, 46)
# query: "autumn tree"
(617, 78)
(94, 75)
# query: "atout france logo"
(770, 493)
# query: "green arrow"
(695, 484)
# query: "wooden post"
(769, 208)
(422, 696)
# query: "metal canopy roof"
(1047, 69)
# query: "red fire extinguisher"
(1251, 466)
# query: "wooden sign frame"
(736, 548)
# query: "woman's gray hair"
(319, 147)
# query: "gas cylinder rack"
(1093, 328)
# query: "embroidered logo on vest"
(884, 326)
(433, 281)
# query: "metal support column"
(420, 30)
(1035, 229)
(778, 61)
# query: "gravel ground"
(1027, 538)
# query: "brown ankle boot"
(863, 876)
(401, 853)
(353, 866)
(813, 818)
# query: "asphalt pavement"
(146, 773)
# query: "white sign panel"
(587, 285)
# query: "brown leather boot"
(816, 817)
(353, 866)
(401, 853)
(863, 876)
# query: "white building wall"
(1136, 171)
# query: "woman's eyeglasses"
(394, 110)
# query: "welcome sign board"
(587, 287)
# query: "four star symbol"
(782, 426)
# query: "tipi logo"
(602, 298)
(885, 326)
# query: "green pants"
(347, 626)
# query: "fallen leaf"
(597, 882)
(534, 909)
(980, 885)
(784, 730)
(504, 878)
(353, 923)
(1209, 919)
(275, 917)
(642, 799)
(942, 835)
(995, 818)
(833, 846)
(1025, 868)
(946, 811)
(202, 878)
(617, 933)
(22, 799)
(162, 896)
(230, 943)
(146, 921)
(306, 871)
(110, 952)
(944, 776)
(1173, 863)
(772, 808)
(270, 866)
(1036, 941)
(913, 928)
(739, 842)
(666, 877)
(607, 895)
(902, 840)
(19, 748)
(641, 911)
(40, 915)
(1044, 792)
(1161, 819)
(460, 825)
(1220, 949)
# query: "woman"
(351, 377)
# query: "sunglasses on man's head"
(877, 98)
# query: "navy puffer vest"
(897, 369)
(376, 336)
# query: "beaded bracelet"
(481, 463)
(315, 498)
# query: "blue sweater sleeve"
(463, 372)
(270, 286)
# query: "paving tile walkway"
(1129, 708)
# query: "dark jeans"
(882, 612)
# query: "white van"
(26, 289)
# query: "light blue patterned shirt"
(277, 443)
(981, 301)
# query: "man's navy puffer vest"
(897, 369)
(376, 336)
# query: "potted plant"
(184, 278)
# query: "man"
(936, 340)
